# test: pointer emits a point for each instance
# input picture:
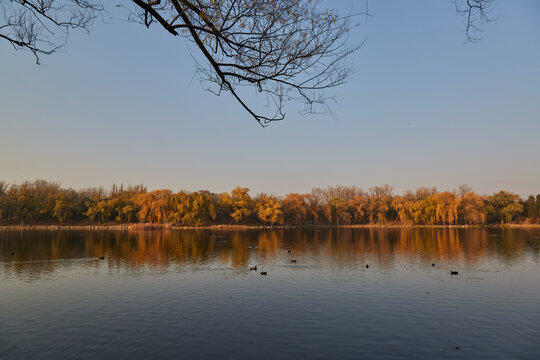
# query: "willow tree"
(472, 209)
(447, 205)
(282, 49)
(238, 203)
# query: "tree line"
(43, 202)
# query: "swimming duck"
(102, 258)
(253, 268)
(264, 273)
(453, 272)
(433, 264)
(293, 260)
(367, 266)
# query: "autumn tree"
(424, 211)
(446, 207)
(153, 206)
(269, 209)
(194, 209)
(123, 202)
(239, 203)
(503, 206)
(335, 203)
(337, 211)
(64, 206)
(33, 201)
(295, 209)
(99, 207)
(404, 206)
(41, 201)
(471, 209)
(358, 206)
(379, 203)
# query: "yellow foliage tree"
(472, 209)
(269, 209)
(239, 203)
(153, 206)
(447, 204)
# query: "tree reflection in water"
(41, 253)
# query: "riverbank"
(161, 227)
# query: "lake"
(190, 294)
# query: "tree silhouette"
(285, 50)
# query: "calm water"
(191, 295)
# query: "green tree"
(503, 206)
(531, 208)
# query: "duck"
(12, 254)
(264, 273)
(293, 260)
(367, 266)
(253, 268)
(289, 251)
(102, 257)
(453, 272)
(433, 264)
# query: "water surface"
(191, 295)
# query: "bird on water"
(453, 272)
(264, 273)
(253, 268)
(367, 266)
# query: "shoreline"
(162, 227)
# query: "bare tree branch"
(286, 49)
(41, 26)
(476, 13)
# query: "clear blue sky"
(422, 109)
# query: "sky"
(423, 108)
